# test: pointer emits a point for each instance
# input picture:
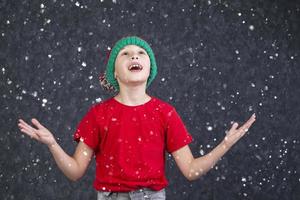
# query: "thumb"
(37, 123)
(234, 126)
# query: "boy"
(130, 132)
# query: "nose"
(134, 57)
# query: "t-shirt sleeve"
(177, 135)
(87, 130)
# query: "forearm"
(67, 164)
(200, 166)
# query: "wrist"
(225, 144)
(52, 144)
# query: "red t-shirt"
(129, 143)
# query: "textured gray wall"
(218, 61)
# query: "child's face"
(127, 57)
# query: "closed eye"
(142, 52)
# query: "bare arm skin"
(193, 168)
(74, 166)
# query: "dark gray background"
(218, 61)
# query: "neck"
(132, 95)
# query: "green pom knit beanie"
(132, 40)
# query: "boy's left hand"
(235, 134)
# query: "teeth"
(135, 65)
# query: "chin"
(140, 82)
(137, 82)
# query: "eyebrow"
(139, 49)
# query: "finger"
(37, 123)
(248, 123)
(27, 126)
(232, 130)
(23, 122)
(246, 126)
(28, 132)
(233, 127)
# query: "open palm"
(235, 134)
(40, 133)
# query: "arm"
(72, 166)
(193, 168)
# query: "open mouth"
(135, 67)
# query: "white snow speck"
(250, 108)
(251, 27)
(266, 87)
(98, 100)
(34, 94)
(201, 152)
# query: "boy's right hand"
(41, 134)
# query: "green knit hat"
(132, 40)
